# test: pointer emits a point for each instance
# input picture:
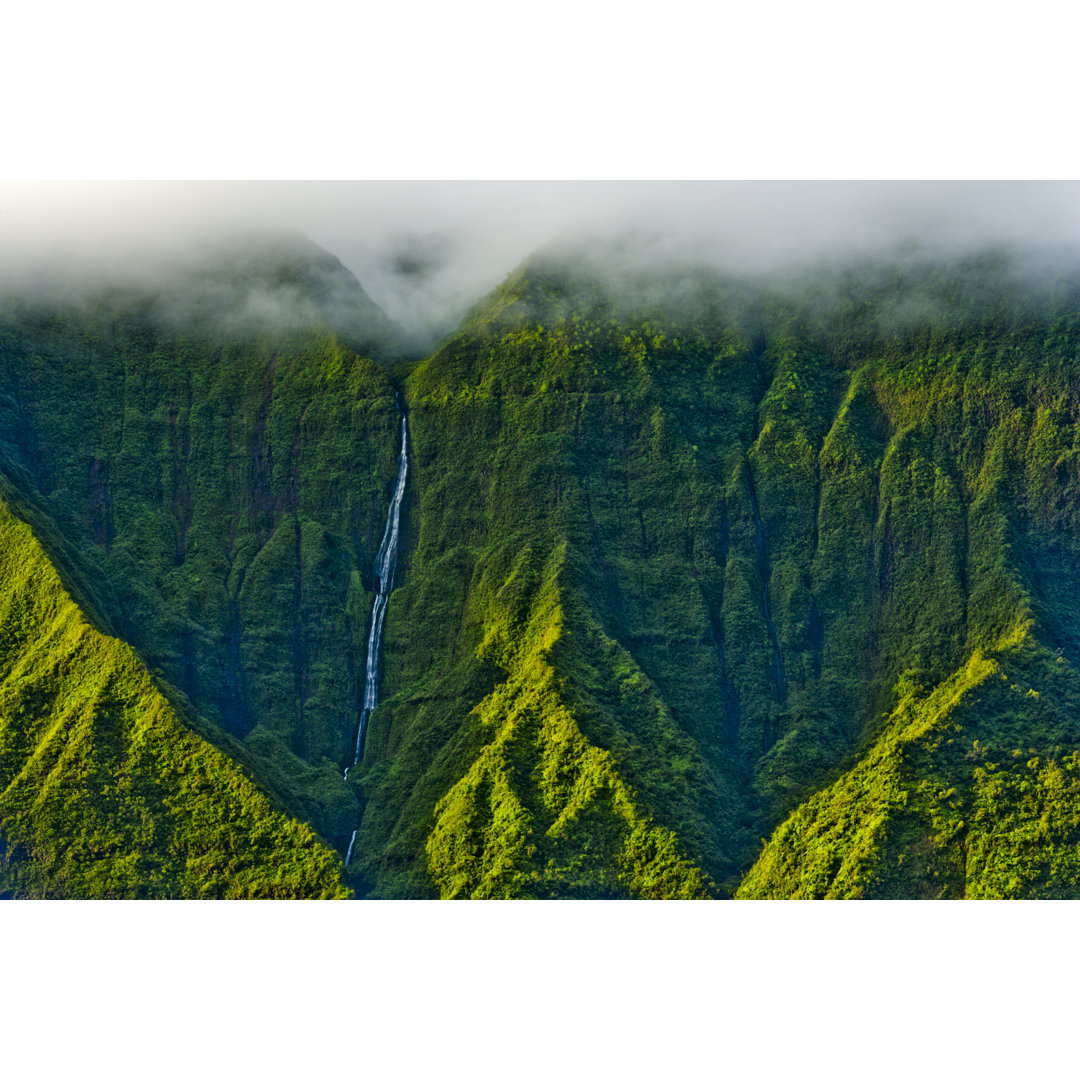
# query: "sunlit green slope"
(968, 786)
(104, 792)
(679, 546)
(690, 560)
(217, 457)
(971, 790)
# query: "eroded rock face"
(682, 560)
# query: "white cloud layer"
(426, 251)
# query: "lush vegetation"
(970, 790)
(104, 791)
(689, 560)
(772, 518)
(217, 462)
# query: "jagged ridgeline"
(688, 560)
(208, 453)
(106, 791)
(695, 555)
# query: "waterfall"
(385, 564)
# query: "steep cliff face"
(686, 559)
(105, 792)
(965, 785)
(673, 564)
(217, 460)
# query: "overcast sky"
(425, 251)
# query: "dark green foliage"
(687, 560)
(968, 791)
(224, 479)
(104, 792)
(776, 522)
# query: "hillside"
(219, 484)
(730, 532)
(105, 792)
(690, 559)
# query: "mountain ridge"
(87, 740)
(682, 551)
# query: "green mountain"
(107, 793)
(689, 560)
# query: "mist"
(425, 252)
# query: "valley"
(647, 582)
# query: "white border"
(560, 90)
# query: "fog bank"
(425, 252)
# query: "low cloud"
(426, 252)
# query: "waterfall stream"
(385, 564)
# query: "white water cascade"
(385, 563)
